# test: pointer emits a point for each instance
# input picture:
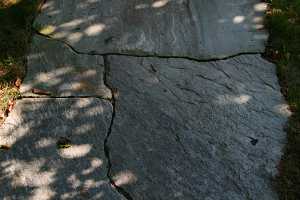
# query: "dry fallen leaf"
(4, 147)
(40, 91)
(47, 30)
(11, 105)
(3, 72)
(63, 143)
(18, 82)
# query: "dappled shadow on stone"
(183, 129)
(187, 28)
(35, 168)
(55, 68)
(195, 130)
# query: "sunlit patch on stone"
(160, 3)
(82, 103)
(68, 195)
(60, 34)
(44, 142)
(95, 163)
(75, 151)
(257, 19)
(52, 13)
(48, 5)
(141, 6)
(260, 7)
(75, 37)
(258, 26)
(28, 174)
(94, 29)
(229, 99)
(238, 19)
(84, 128)
(124, 178)
(283, 109)
(46, 30)
(90, 183)
(242, 99)
(73, 181)
(73, 23)
(42, 193)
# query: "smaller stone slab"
(54, 69)
(34, 168)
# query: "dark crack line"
(119, 189)
(146, 55)
(221, 70)
(215, 82)
(64, 97)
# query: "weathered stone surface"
(191, 130)
(34, 169)
(187, 28)
(55, 68)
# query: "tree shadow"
(35, 168)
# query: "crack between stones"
(119, 189)
(112, 100)
(147, 55)
(65, 97)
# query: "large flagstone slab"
(191, 130)
(35, 169)
(56, 70)
(187, 28)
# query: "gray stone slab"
(35, 169)
(192, 130)
(187, 28)
(55, 68)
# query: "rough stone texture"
(188, 130)
(34, 169)
(188, 28)
(183, 129)
(55, 68)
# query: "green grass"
(16, 17)
(284, 25)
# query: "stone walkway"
(158, 99)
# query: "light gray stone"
(56, 69)
(188, 130)
(200, 29)
(35, 169)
